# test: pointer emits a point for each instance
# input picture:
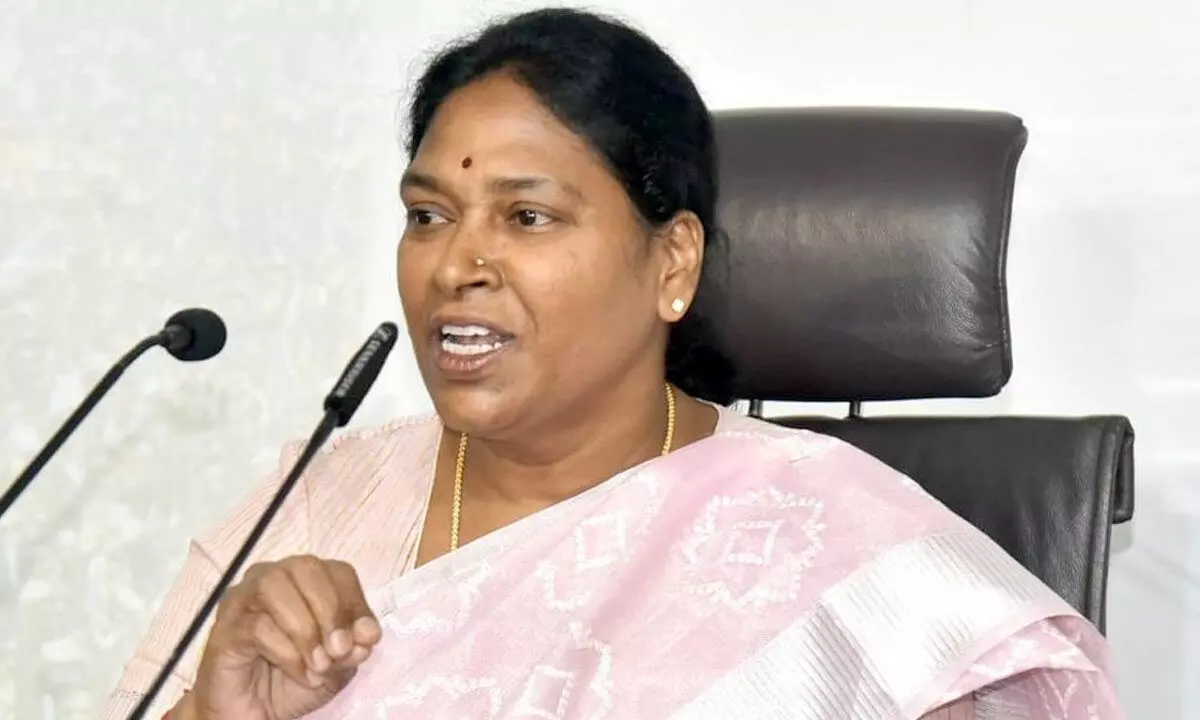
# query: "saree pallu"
(759, 573)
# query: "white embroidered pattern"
(460, 693)
(796, 444)
(598, 543)
(546, 686)
(549, 689)
(428, 621)
(734, 532)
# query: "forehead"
(500, 124)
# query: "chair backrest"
(867, 262)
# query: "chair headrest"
(867, 251)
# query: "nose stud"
(479, 262)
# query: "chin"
(475, 410)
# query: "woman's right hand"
(286, 640)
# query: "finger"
(316, 584)
(238, 598)
(353, 659)
(349, 589)
(366, 632)
(277, 595)
(277, 648)
(257, 570)
(337, 679)
(365, 628)
(358, 656)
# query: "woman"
(582, 531)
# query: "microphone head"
(194, 334)
(361, 373)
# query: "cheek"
(411, 271)
(580, 298)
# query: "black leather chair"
(867, 263)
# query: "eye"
(424, 217)
(531, 218)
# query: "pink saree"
(759, 573)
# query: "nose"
(464, 265)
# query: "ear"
(681, 246)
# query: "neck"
(607, 434)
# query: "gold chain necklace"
(460, 467)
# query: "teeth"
(469, 349)
(466, 330)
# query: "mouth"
(464, 350)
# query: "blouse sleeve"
(961, 709)
(1052, 670)
(1037, 695)
(207, 559)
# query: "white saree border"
(889, 640)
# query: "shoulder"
(396, 457)
(862, 518)
(857, 492)
(787, 444)
(399, 454)
(806, 452)
(407, 436)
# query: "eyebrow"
(411, 179)
(420, 180)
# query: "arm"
(183, 710)
(199, 575)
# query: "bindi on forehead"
(466, 162)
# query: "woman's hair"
(639, 111)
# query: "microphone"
(340, 405)
(189, 335)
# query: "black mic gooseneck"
(190, 335)
(340, 406)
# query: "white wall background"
(240, 154)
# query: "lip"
(463, 368)
(440, 319)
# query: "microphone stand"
(190, 335)
(339, 407)
(324, 429)
(93, 398)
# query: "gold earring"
(677, 305)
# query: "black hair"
(637, 108)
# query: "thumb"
(336, 679)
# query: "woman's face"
(530, 285)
